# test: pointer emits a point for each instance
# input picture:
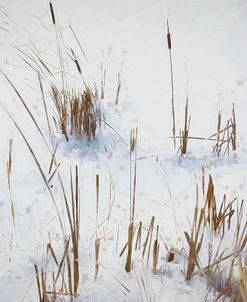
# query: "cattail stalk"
(169, 45)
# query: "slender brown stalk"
(133, 156)
(185, 132)
(97, 249)
(156, 251)
(128, 265)
(9, 172)
(169, 45)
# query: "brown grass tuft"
(226, 137)
(218, 219)
(78, 114)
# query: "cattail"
(169, 45)
(78, 66)
(169, 42)
(52, 14)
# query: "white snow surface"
(209, 55)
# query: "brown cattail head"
(76, 61)
(169, 41)
(52, 14)
(78, 66)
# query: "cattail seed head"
(169, 41)
(52, 14)
(78, 66)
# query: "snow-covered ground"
(209, 53)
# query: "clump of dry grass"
(226, 137)
(41, 286)
(59, 281)
(135, 233)
(214, 220)
(148, 246)
(78, 113)
(218, 219)
(148, 241)
(65, 275)
(234, 285)
(194, 240)
(75, 109)
(73, 215)
(240, 294)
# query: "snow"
(209, 52)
